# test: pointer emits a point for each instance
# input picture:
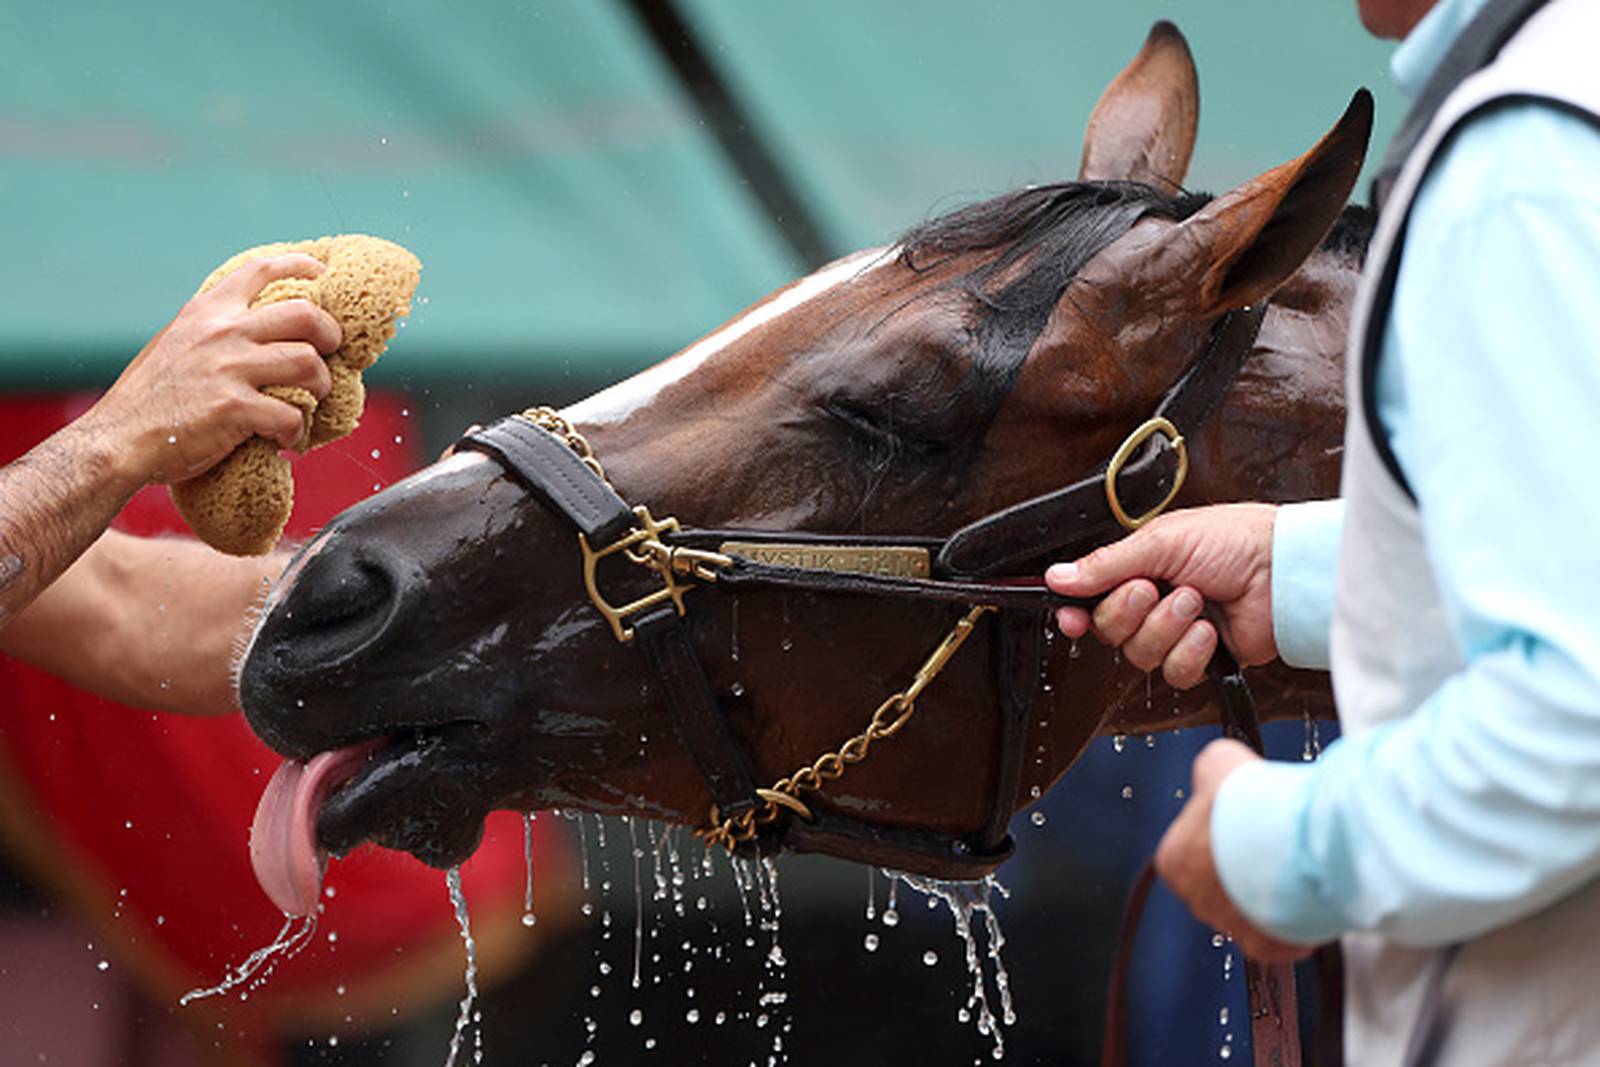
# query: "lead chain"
(891, 716)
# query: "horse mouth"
(412, 791)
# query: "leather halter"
(1137, 483)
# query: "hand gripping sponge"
(240, 506)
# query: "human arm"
(1483, 805)
(153, 622)
(188, 398)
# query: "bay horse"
(435, 652)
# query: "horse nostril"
(338, 604)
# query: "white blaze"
(617, 402)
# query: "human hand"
(1184, 859)
(1221, 553)
(194, 392)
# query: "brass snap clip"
(643, 546)
(1120, 458)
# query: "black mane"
(1046, 234)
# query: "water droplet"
(594, 991)
(1035, 792)
(736, 689)
(1225, 1052)
(636, 1017)
(891, 917)
(376, 453)
(1119, 741)
(1037, 818)
(870, 942)
(1177, 794)
(929, 958)
(1222, 1017)
(722, 1017)
(1127, 792)
(529, 919)
(172, 439)
(786, 645)
(1217, 940)
(104, 965)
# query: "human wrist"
(111, 456)
(1305, 559)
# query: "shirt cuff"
(1305, 562)
(1255, 842)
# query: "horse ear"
(1142, 129)
(1248, 241)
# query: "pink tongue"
(283, 838)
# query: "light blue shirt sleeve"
(1305, 563)
(1484, 805)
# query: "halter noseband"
(553, 460)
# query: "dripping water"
(458, 899)
(528, 918)
(638, 896)
(966, 900)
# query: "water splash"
(295, 934)
(965, 901)
(452, 881)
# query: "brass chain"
(890, 718)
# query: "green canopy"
(554, 165)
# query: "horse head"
(991, 355)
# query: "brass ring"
(1120, 458)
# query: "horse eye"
(877, 426)
(861, 419)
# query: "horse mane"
(1045, 234)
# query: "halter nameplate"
(895, 561)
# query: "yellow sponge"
(240, 506)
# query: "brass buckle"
(1120, 459)
(643, 545)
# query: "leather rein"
(551, 459)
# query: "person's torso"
(1518, 995)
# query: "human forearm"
(54, 502)
(1478, 809)
(154, 622)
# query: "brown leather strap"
(1024, 596)
(1073, 520)
(1018, 661)
(1114, 1043)
(664, 639)
(1274, 1013)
